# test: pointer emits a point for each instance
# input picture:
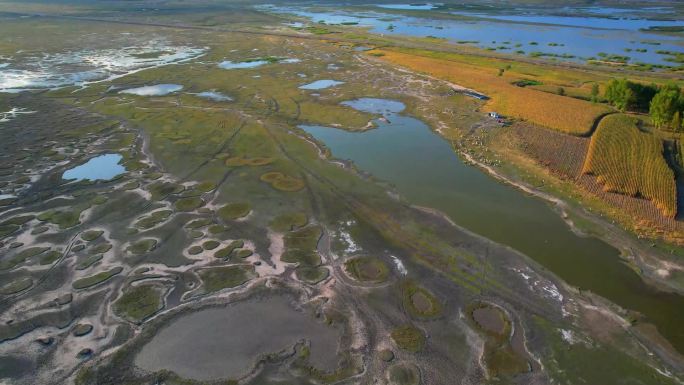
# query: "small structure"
(494, 115)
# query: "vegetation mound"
(289, 221)
(219, 278)
(282, 182)
(235, 210)
(300, 246)
(96, 279)
(139, 302)
(418, 301)
(408, 337)
(367, 269)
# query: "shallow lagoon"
(225, 342)
(556, 35)
(103, 167)
(427, 172)
(320, 84)
(155, 90)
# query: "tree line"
(665, 104)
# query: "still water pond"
(225, 342)
(215, 96)
(320, 84)
(103, 167)
(427, 172)
(155, 90)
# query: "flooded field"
(28, 70)
(226, 342)
(426, 171)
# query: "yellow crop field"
(628, 161)
(562, 113)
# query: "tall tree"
(665, 104)
(619, 94)
(594, 92)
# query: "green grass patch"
(88, 261)
(300, 246)
(96, 279)
(16, 286)
(199, 223)
(282, 182)
(161, 190)
(418, 301)
(238, 161)
(154, 219)
(139, 302)
(7, 229)
(404, 374)
(21, 257)
(367, 269)
(50, 257)
(210, 244)
(312, 275)
(91, 235)
(64, 219)
(243, 253)
(499, 357)
(225, 252)
(289, 221)
(189, 204)
(142, 246)
(235, 210)
(409, 338)
(100, 248)
(195, 250)
(219, 278)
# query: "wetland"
(237, 193)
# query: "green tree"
(626, 95)
(676, 124)
(561, 91)
(620, 94)
(667, 103)
(594, 92)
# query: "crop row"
(628, 161)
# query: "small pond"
(321, 84)
(225, 342)
(230, 65)
(155, 90)
(103, 167)
(215, 96)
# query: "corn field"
(628, 161)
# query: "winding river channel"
(427, 172)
